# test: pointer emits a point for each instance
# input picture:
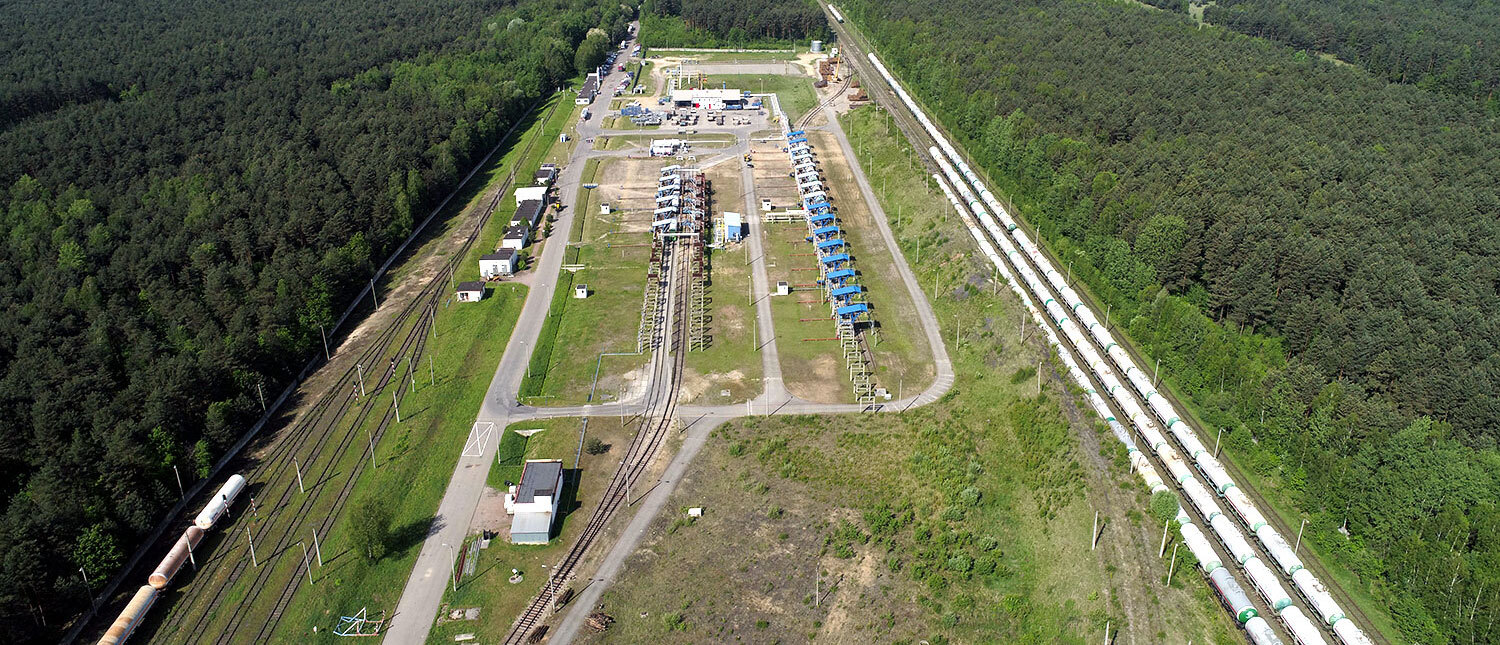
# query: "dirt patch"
(824, 383)
(490, 514)
(629, 187)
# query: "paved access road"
(423, 594)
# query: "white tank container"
(1260, 632)
(220, 502)
(1268, 584)
(1302, 629)
(1350, 633)
(1280, 551)
(131, 617)
(1317, 595)
(1233, 540)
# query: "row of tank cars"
(182, 552)
(1103, 355)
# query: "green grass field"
(724, 56)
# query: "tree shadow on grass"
(412, 533)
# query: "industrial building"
(589, 90)
(537, 193)
(546, 174)
(533, 503)
(516, 237)
(528, 212)
(497, 264)
(470, 291)
(665, 147)
(723, 99)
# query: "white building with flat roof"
(534, 501)
(708, 98)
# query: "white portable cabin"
(221, 500)
(538, 193)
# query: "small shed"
(783, 288)
(470, 291)
(765, 205)
(534, 502)
(580, 291)
(546, 174)
(604, 208)
(499, 263)
(734, 226)
(516, 237)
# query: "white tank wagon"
(1260, 632)
(131, 617)
(181, 552)
(1102, 338)
(220, 502)
(836, 15)
(1302, 629)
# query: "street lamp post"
(452, 564)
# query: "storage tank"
(131, 617)
(1193, 538)
(1233, 540)
(1233, 594)
(1260, 632)
(171, 564)
(1265, 581)
(220, 502)
(1280, 551)
(1350, 633)
(817, 46)
(1302, 629)
(1318, 598)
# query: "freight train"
(1099, 350)
(135, 610)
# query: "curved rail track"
(655, 421)
(807, 118)
(316, 442)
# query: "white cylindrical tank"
(1233, 540)
(1302, 629)
(1245, 508)
(1233, 594)
(171, 564)
(1200, 548)
(131, 617)
(220, 502)
(1260, 632)
(1268, 584)
(1280, 551)
(1318, 598)
(1350, 633)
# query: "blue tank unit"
(839, 276)
(826, 231)
(826, 245)
(819, 218)
(836, 260)
(819, 205)
(843, 294)
(795, 133)
(854, 310)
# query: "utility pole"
(251, 539)
(1107, 309)
(1299, 536)
(1106, 632)
(298, 467)
(1156, 377)
(324, 332)
(371, 443)
(261, 393)
(360, 367)
(1038, 378)
(88, 588)
(372, 294)
(452, 566)
(1173, 566)
(1094, 536)
(396, 404)
(306, 563)
(180, 491)
(1163, 550)
(316, 547)
(1216, 442)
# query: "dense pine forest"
(751, 23)
(1443, 46)
(191, 190)
(1311, 251)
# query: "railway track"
(818, 109)
(655, 421)
(310, 440)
